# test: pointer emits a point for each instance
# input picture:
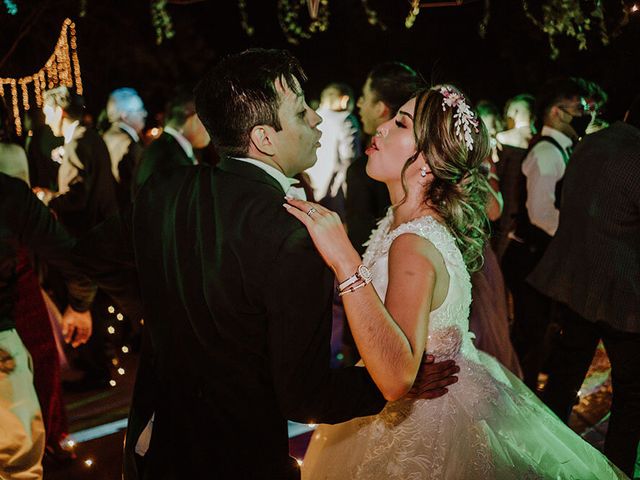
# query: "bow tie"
(297, 193)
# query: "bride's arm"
(390, 338)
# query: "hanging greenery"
(289, 17)
(244, 17)
(571, 19)
(161, 21)
(11, 7)
(413, 13)
(372, 15)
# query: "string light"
(125, 349)
(111, 330)
(121, 371)
(16, 108)
(111, 309)
(25, 93)
(62, 68)
(88, 462)
(112, 383)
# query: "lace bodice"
(448, 324)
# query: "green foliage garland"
(571, 19)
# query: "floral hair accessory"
(464, 117)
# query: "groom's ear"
(262, 139)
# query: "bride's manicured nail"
(286, 205)
(287, 197)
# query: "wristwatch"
(362, 273)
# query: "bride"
(489, 425)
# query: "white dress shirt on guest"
(339, 146)
(544, 167)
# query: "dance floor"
(98, 420)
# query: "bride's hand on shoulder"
(327, 232)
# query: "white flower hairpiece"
(464, 117)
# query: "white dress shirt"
(544, 167)
(339, 146)
(285, 182)
(184, 143)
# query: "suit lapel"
(179, 153)
(246, 170)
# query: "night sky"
(117, 46)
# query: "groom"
(237, 301)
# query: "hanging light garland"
(62, 68)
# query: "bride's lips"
(373, 147)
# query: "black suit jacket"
(238, 307)
(25, 221)
(367, 202)
(164, 153)
(91, 197)
(593, 262)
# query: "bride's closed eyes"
(401, 121)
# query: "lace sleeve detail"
(432, 230)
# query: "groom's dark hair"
(240, 93)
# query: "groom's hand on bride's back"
(433, 378)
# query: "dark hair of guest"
(394, 83)
(7, 134)
(180, 106)
(553, 92)
(240, 93)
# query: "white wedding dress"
(488, 426)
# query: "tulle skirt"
(488, 426)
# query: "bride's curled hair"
(459, 188)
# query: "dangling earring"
(423, 172)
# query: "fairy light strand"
(61, 68)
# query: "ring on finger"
(311, 211)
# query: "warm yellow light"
(121, 371)
(111, 330)
(111, 309)
(88, 462)
(120, 317)
(112, 383)
(62, 68)
(125, 349)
